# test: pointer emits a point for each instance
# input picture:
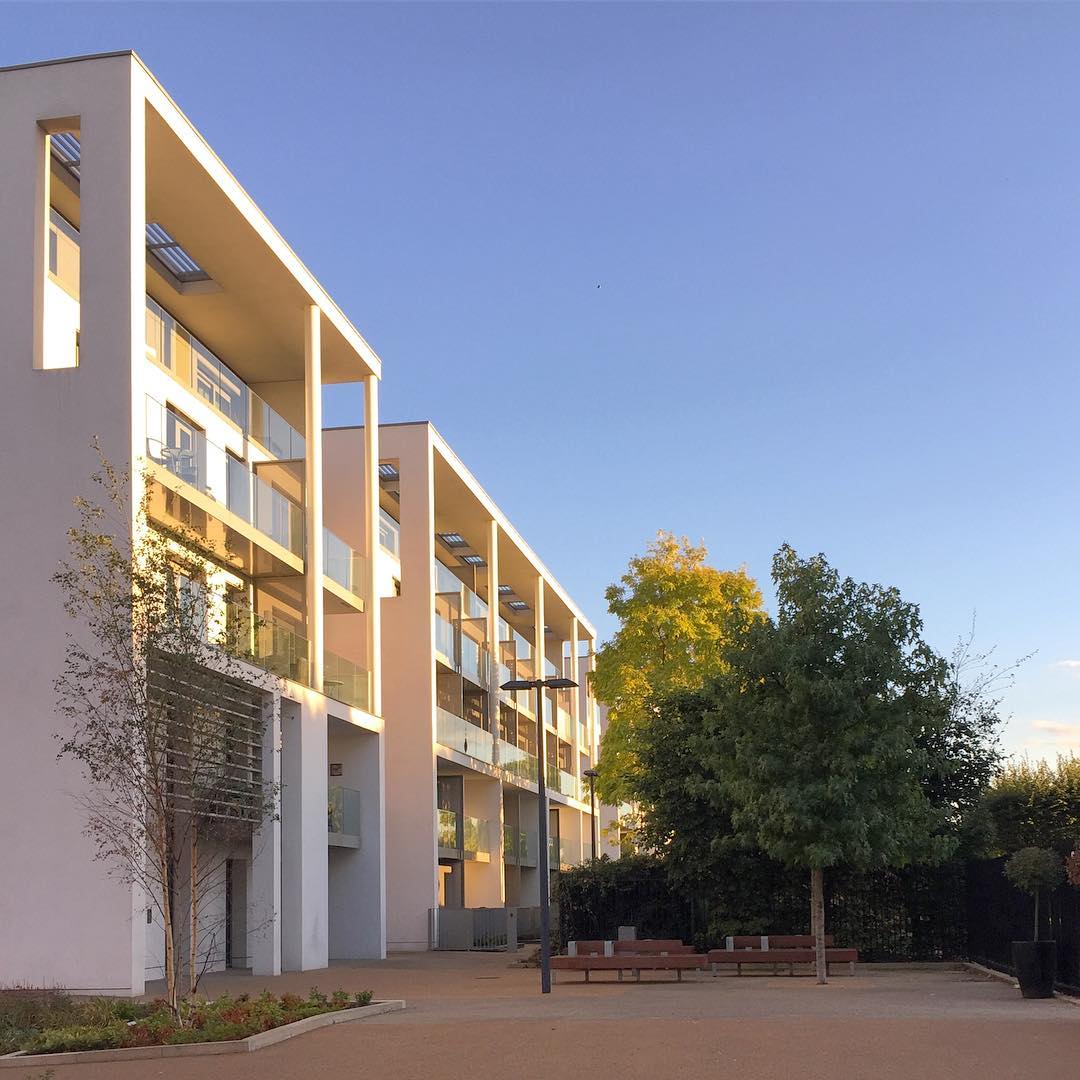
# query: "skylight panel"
(517, 605)
(388, 471)
(67, 151)
(473, 560)
(172, 255)
(453, 539)
(506, 590)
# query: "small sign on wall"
(335, 768)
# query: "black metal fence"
(997, 914)
(952, 912)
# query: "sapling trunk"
(817, 921)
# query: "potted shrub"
(1034, 869)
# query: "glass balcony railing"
(343, 565)
(389, 534)
(475, 662)
(563, 782)
(517, 762)
(173, 442)
(458, 734)
(446, 823)
(345, 681)
(446, 641)
(583, 738)
(519, 846)
(64, 254)
(194, 366)
(563, 853)
(281, 650)
(564, 724)
(467, 835)
(343, 811)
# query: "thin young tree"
(165, 715)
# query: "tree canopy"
(676, 615)
(831, 735)
(1035, 804)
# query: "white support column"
(493, 627)
(313, 516)
(264, 897)
(371, 532)
(575, 699)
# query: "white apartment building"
(469, 607)
(146, 302)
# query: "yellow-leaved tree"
(674, 613)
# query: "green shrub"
(43, 1022)
(1035, 868)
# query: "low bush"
(53, 1023)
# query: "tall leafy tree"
(676, 614)
(820, 720)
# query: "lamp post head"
(592, 774)
(559, 683)
(518, 684)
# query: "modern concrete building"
(469, 606)
(147, 303)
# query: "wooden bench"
(778, 957)
(651, 947)
(638, 963)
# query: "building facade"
(147, 304)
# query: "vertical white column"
(264, 897)
(371, 532)
(493, 627)
(575, 704)
(313, 516)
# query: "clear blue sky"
(839, 251)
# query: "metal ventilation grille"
(175, 259)
(67, 151)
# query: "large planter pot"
(1036, 967)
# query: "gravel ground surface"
(475, 1016)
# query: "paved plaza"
(476, 1016)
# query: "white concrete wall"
(357, 898)
(304, 868)
(408, 649)
(94, 926)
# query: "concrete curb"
(19, 1060)
(1004, 977)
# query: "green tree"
(676, 614)
(822, 717)
(1034, 869)
(1035, 804)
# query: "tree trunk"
(817, 921)
(171, 989)
(193, 946)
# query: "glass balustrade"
(175, 443)
(343, 565)
(445, 641)
(446, 823)
(389, 534)
(194, 366)
(64, 254)
(467, 835)
(345, 681)
(458, 734)
(517, 762)
(343, 810)
(475, 662)
(281, 650)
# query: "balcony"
(562, 782)
(462, 837)
(457, 734)
(343, 817)
(184, 451)
(389, 534)
(519, 846)
(516, 762)
(195, 367)
(563, 853)
(343, 566)
(345, 681)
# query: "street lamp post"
(539, 685)
(592, 774)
